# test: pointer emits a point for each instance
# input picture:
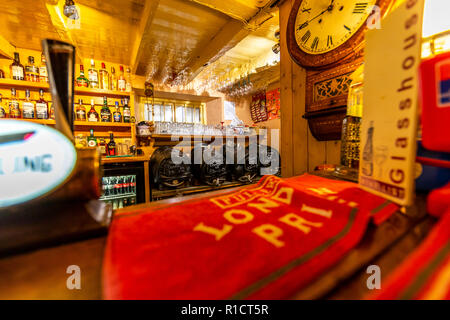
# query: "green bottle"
(105, 113)
(126, 112)
(91, 140)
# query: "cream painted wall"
(214, 111)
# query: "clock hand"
(305, 24)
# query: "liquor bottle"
(113, 80)
(41, 106)
(80, 112)
(93, 76)
(351, 124)
(2, 110)
(105, 113)
(117, 115)
(367, 160)
(52, 112)
(28, 106)
(31, 71)
(92, 140)
(82, 81)
(126, 112)
(92, 114)
(121, 82)
(14, 108)
(128, 80)
(104, 78)
(17, 69)
(102, 145)
(111, 146)
(2, 74)
(43, 75)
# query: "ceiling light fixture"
(70, 10)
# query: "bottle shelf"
(102, 134)
(122, 129)
(102, 124)
(40, 121)
(100, 92)
(10, 83)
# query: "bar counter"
(41, 274)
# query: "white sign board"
(34, 160)
(389, 127)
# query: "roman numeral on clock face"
(330, 41)
(360, 7)
(306, 36)
(315, 43)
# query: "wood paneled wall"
(300, 151)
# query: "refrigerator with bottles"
(123, 184)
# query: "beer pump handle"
(60, 58)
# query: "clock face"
(323, 25)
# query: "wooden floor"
(42, 274)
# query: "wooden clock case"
(328, 77)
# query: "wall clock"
(326, 37)
(322, 32)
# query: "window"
(168, 113)
(179, 114)
(172, 111)
(197, 118)
(229, 110)
(157, 111)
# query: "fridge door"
(123, 184)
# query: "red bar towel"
(425, 274)
(261, 242)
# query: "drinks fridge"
(123, 184)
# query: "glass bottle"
(105, 113)
(28, 106)
(52, 112)
(111, 146)
(43, 75)
(2, 74)
(117, 115)
(2, 110)
(102, 145)
(104, 78)
(17, 69)
(92, 140)
(93, 76)
(41, 106)
(92, 114)
(121, 82)
(367, 160)
(82, 81)
(113, 80)
(31, 71)
(14, 108)
(126, 112)
(80, 112)
(128, 80)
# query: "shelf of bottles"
(29, 98)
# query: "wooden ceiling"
(163, 40)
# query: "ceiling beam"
(144, 25)
(232, 8)
(229, 36)
(6, 48)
